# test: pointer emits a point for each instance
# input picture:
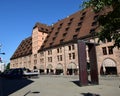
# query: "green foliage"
(8, 66)
(110, 23)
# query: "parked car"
(19, 73)
(13, 73)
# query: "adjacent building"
(2, 67)
(53, 49)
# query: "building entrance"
(109, 67)
(59, 71)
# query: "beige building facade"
(54, 49)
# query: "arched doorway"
(49, 69)
(71, 69)
(41, 69)
(109, 67)
(34, 67)
(59, 69)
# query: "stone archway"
(41, 69)
(59, 69)
(109, 66)
(49, 69)
(71, 69)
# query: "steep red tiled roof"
(24, 49)
(75, 26)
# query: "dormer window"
(52, 28)
(61, 24)
(69, 23)
(51, 44)
(74, 36)
(84, 13)
(96, 17)
(59, 28)
(71, 19)
(92, 30)
(42, 28)
(56, 33)
(64, 34)
(46, 29)
(66, 29)
(54, 38)
(82, 18)
(61, 41)
(77, 30)
(80, 23)
(94, 23)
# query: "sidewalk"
(66, 86)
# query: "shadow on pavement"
(77, 82)
(90, 94)
(9, 86)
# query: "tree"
(8, 66)
(110, 23)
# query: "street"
(54, 85)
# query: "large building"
(53, 49)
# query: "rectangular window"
(49, 59)
(73, 47)
(35, 55)
(104, 51)
(110, 49)
(50, 52)
(41, 53)
(69, 56)
(58, 50)
(35, 61)
(69, 48)
(73, 55)
(42, 60)
(60, 57)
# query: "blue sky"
(17, 18)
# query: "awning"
(109, 63)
